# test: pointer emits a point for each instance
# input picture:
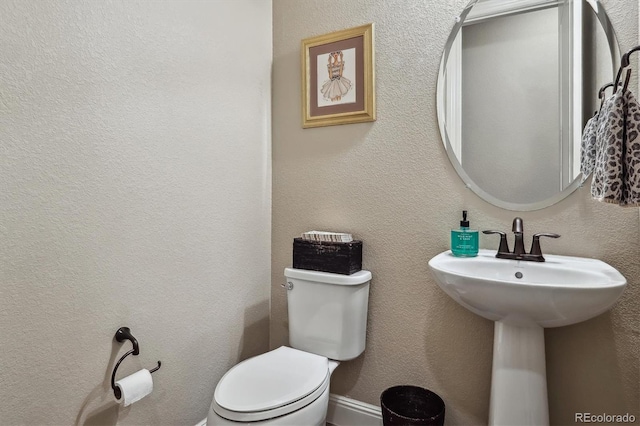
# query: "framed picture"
(338, 78)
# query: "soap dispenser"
(464, 241)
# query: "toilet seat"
(271, 385)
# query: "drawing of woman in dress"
(337, 86)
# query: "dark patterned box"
(326, 256)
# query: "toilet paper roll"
(135, 387)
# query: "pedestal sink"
(523, 298)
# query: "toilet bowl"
(285, 386)
(290, 385)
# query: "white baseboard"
(345, 411)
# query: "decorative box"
(326, 256)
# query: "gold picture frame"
(338, 79)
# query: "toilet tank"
(328, 312)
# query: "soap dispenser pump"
(464, 241)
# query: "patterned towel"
(588, 147)
(631, 182)
(616, 174)
(608, 171)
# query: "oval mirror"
(518, 81)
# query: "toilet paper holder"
(124, 333)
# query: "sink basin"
(561, 291)
(523, 298)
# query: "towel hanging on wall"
(608, 170)
(631, 181)
(588, 147)
(616, 170)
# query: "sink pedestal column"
(518, 378)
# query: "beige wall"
(390, 183)
(135, 189)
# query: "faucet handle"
(535, 244)
(504, 246)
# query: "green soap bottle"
(464, 241)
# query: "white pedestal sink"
(523, 298)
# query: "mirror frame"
(614, 48)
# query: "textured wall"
(391, 184)
(135, 188)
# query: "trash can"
(411, 406)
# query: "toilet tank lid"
(356, 278)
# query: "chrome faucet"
(519, 253)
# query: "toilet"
(290, 385)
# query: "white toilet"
(290, 385)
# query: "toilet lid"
(271, 380)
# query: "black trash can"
(411, 406)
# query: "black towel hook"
(602, 90)
(124, 333)
(601, 93)
(617, 82)
(624, 63)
